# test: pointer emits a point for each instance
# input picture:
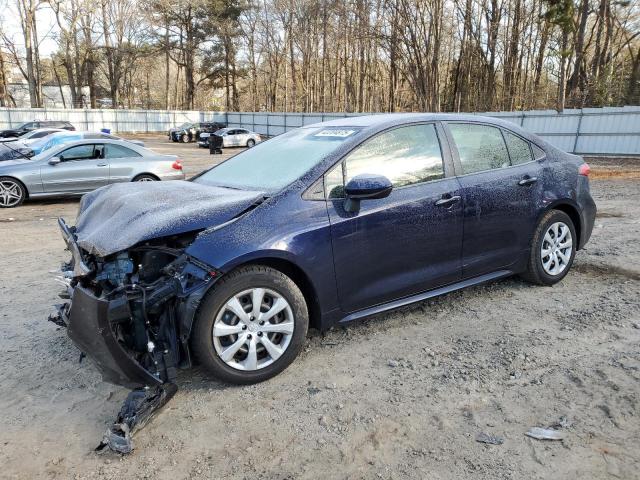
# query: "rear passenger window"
(481, 147)
(519, 150)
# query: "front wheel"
(250, 143)
(145, 178)
(553, 249)
(250, 326)
(184, 138)
(12, 193)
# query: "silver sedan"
(81, 166)
(232, 137)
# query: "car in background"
(34, 136)
(232, 137)
(189, 132)
(36, 124)
(61, 138)
(13, 151)
(82, 166)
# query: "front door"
(406, 243)
(82, 168)
(500, 190)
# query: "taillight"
(584, 170)
(177, 165)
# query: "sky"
(47, 26)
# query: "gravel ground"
(402, 395)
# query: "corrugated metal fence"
(590, 131)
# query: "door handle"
(101, 165)
(448, 201)
(527, 181)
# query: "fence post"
(9, 115)
(86, 119)
(285, 121)
(575, 142)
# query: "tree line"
(329, 55)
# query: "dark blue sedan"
(320, 226)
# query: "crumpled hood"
(116, 217)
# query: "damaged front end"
(131, 312)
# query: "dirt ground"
(402, 395)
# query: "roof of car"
(372, 120)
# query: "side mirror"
(363, 187)
(54, 160)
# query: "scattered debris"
(138, 408)
(490, 439)
(562, 422)
(545, 434)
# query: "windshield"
(276, 163)
(221, 131)
(57, 139)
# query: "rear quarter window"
(519, 149)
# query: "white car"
(231, 137)
(35, 135)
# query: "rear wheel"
(251, 326)
(12, 193)
(552, 250)
(145, 178)
(250, 143)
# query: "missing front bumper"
(90, 329)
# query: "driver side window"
(405, 155)
(79, 152)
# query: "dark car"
(320, 226)
(29, 126)
(190, 132)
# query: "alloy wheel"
(253, 329)
(556, 249)
(10, 193)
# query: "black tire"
(184, 138)
(250, 143)
(535, 271)
(145, 177)
(15, 187)
(230, 285)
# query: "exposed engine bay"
(131, 313)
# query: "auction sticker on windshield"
(335, 133)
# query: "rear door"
(82, 168)
(406, 243)
(124, 162)
(242, 137)
(501, 192)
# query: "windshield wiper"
(17, 151)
